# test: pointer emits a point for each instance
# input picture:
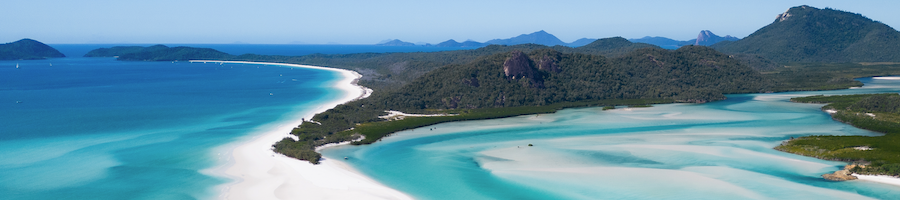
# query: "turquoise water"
(96, 128)
(718, 150)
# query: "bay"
(96, 128)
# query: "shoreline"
(883, 179)
(257, 172)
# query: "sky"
(369, 22)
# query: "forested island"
(869, 155)
(501, 81)
(28, 49)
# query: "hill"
(515, 82)
(540, 37)
(808, 34)
(611, 47)
(581, 42)
(396, 43)
(27, 49)
(453, 43)
(707, 38)
(158, 53)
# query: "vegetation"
(548, 80)
(158, 53)
(27, 49)
(826, 76)
(808, 34)
(876, 112)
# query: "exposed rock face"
(518, 66)
(841, 175)
(548, 64)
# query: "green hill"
(540, 81)
(543, 77)
(808, 34)
(27, 49)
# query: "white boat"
(17, 65)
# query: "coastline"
(260, 173)
(883, 179)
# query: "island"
(498, 81)
(28, 49)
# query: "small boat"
(51, 64)
(17, 65)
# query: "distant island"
(157, 53)
(540, 37)
(705, 38)
(28, 49)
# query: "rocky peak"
(788, 13)
(706, 38)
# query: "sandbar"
(260, 173)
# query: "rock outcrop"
(518, 66)
(841, 175)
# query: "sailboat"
(17, 65)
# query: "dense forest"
(27, 49)
(541, 81)
(876, 112)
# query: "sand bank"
(879, 178)
(260, 173)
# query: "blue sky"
(368, 22)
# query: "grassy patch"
(881, 152)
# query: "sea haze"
(718, 150)
(96, 128)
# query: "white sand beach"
(891, 180)
(261, 173)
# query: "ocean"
(717, 150)
(97, 128)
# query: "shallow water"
(718, 150)
(96, 128)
